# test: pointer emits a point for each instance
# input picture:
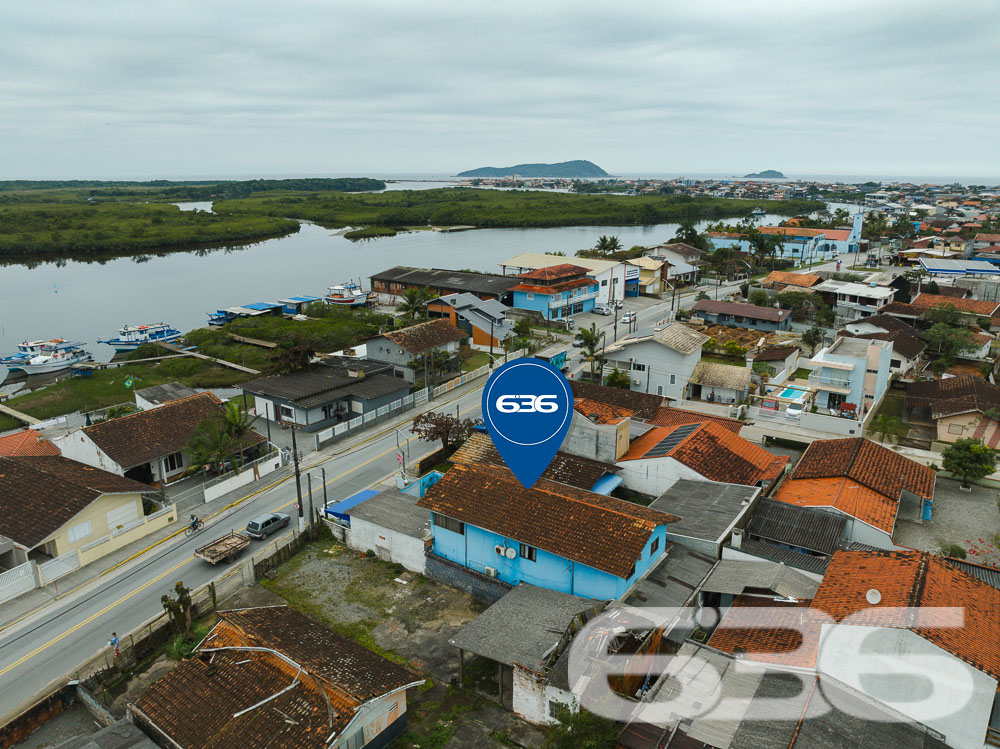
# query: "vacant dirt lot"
(408, 619)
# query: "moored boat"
(348, 295)
(56, 356)
(131, 337)
(26, 351)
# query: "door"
(695, 392)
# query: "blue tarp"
(261, 306)
(340, 509)
(607, 484)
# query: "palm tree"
(607, 245)
(590, 340)
(238, 425)
(210, 445)
(414, 300)
(687, 234)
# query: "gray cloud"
(248, 88)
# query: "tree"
(607, 245)
(523, 327)
(701, 295)
(932, 287)
(618, 379)
(813, 338)
(590, 340)
(451, 430)
(841, 217)
(413, 301)
(687, 234)
(760, 297)
(211, 446)
(886, 426)
(825, 316)
(732, 348)
(238, 426)
(294, 355)
(179, 609)
(968, 459)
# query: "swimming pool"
(792, 393)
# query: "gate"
(16, 581)
(56, 568)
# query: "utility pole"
(323, 473)
(312, 511)
(491, 343)
(616, 325)
(163, 478)
(298, 480)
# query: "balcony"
(830, 382)
(561, 302)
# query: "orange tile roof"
(975, 306)
(671, 417)
(791, 279)
(847, 496)
(601, 413)
(795, 231)
(907, 581)
(26, 442)
(716, 453)
(841, 235)
(555, 271)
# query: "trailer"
(225, 549)
(556, 360)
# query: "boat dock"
(223, 362)
(253, 341)
(29, 420)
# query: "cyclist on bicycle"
(193, 524)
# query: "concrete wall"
(388, 544)
(971, 425)
(244, 477)
(78, 446)
(532, 694)
(653, 476)
(605, 442)
(913, 676)
(475, 584)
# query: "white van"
(602, 309)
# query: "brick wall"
(474, 583)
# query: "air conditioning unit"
(498, 549)
(635, 381)
(490, 571)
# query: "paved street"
(45, 647)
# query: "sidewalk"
(33, 601)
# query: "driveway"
(957, 518)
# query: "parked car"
(602, 309)
(263, 526)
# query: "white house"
(661, 363)
(852, 301)
(609, 274)
(390, 524)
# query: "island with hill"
(766, 174)
(566, 170)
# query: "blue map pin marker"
(528, 406)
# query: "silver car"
(263, 526)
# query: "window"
(654, 547)
(78, 532)
(637, 367)
(529, 295)
(604, 282)
(449, 524)
(872, 371)
(673, 379)
(528, 552)
(286, 412)
(174, 462)
(895, 363)
(955, 429)
(659, 389)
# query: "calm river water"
(86, 301)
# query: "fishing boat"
(56, 356)
(758, 212)
(132, 337)
(349, 295)
(26, 351)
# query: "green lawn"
(802, 373)
(477, 360)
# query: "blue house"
(737, 315)
(851, 375)
(552, 535)
(557, 291)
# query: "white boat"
(348, 295)
(132, 337)
(56, 356)
(26, 351)
(3, 373)
(758, 212)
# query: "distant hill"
(766, 174)
(565, 169)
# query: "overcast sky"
(147, 89)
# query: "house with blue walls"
(852, 371)
(557, 291)
(552, 535)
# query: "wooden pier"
(29, 420)
(223, 362)
(253, 341)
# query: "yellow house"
(51, 507)
(651, 275)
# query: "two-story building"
(408, 348)
(660, 363)
(852, 371)
(852, 301)
(483, 319)
(552, 535)
(392, 283)
(683, 260)
(609, 274)
(651, 276)
(739, 315)
(556, 292)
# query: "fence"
(372, 418)
(53, 569)
(215, 488)
(17, 580)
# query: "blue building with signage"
(557, 291)
(552, 535)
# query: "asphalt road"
(54, 642)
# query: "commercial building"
(609, 274)
(556, 291)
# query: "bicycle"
(189, 530)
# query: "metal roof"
(734, 576)
(674, 579)
(394, 510)
(707, 509)
(802, 527)
(949, 267)
(340, 508)
(786, 556)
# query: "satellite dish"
(873, 596)
(511, 553)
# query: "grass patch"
(475, 361)
(892, 405)
(180, 647)
(802, 373)
(369, 232)
(730, 361)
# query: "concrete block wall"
(475, 584)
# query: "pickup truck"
(225, 549)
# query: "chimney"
(737, 539)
